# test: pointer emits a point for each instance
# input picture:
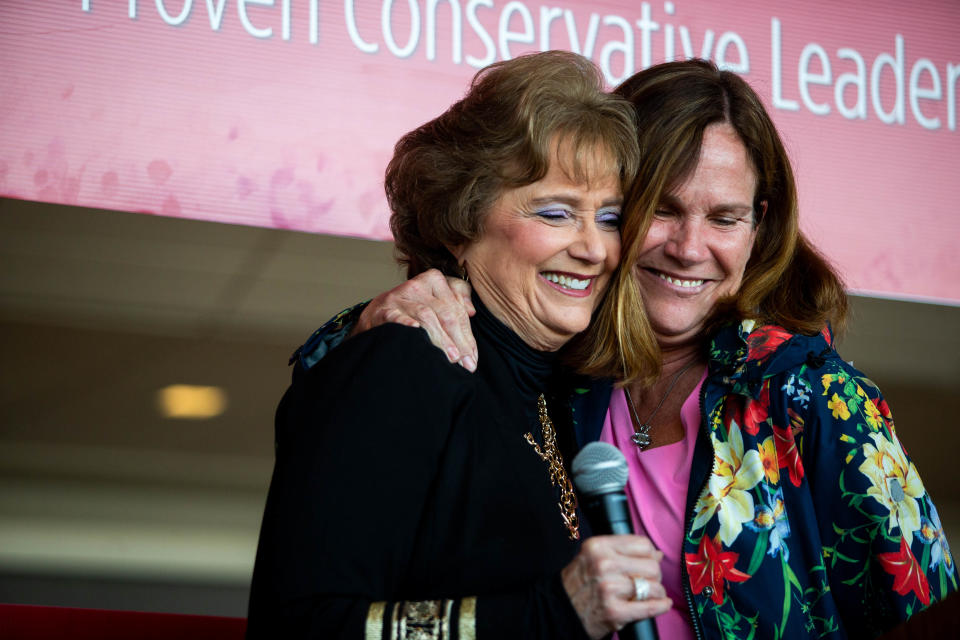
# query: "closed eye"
(554, 215)
(727, 220)
(608, 218)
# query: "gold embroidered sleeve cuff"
(422, 620)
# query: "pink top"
(657, 494)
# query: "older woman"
(411, 499)
(765, 467)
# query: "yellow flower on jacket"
(839, 408)
(896, 483)
(768, 458)
(826, 380)
(829, 378)
(874, 419)
(728, 492)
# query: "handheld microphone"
(600, 474)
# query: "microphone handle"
(609, 514)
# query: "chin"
(570, 329)
(674, 329)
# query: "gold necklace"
(641, 430)
(558, 475)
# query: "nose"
(687, 241)
(589, 244)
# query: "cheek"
(736, 255)
(657, 234)
(527, 243)
(512, 244)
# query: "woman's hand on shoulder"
(440, 305)
(601, 587)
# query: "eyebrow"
(673, 201)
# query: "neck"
(676, 357)
(659, 405)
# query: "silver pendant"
(641, 437)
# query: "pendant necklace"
(641, 435)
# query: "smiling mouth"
(679, 282)
(566, 281)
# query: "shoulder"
(750, 359)
(754, 352)
(813, 380)
(389, 370)
(386, 388)
(333, 332)
(838, 413)
(391, 352)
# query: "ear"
(761, 214)
(458, 251)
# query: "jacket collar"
(742, 355)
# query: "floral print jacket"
(806, 518)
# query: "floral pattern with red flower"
(788, 455)
(765, 340)
(711, 567)
(906, 572)
(757, 411)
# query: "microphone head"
(599, 469)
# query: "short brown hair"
(786, 281)
(446, 174)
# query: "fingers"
(623, 607)
(440, 305)
(627, 545)
(447, 318)
(626, 611)
(600, 582)
(462, 289)
(654, 589)
(441, 311)
(398, 317)
(434, 325)
(444, 308)
(619, 556)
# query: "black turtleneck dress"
(406, 501)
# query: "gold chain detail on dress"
(558, 475)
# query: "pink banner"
(283, 113)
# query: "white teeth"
(567, 282)
(681, 283)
